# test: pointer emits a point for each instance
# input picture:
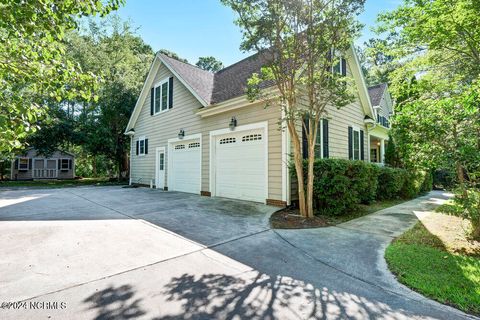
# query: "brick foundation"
(276, 203)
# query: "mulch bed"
(290, 219)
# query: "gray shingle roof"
(223, 85)
(200, 80)
(376, 93)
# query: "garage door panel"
(240, 166)
(185, 166)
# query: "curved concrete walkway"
(113, 253)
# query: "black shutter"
(325, 138)
(29, 163)
(69, 164)
(329, 59)
(304, 138)
(362, 146)
(152, 101)
(170, 93)
(138, 145)
(350, 143)
(146, 146)
(16, 164)
(344, 67)
(59, 163)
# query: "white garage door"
(240, 163)
(184, 167)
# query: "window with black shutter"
(326, 150)
(170, 93)
(362, 146)
(142, 146)
(162, 96)
(350, 143)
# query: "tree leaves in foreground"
(33, 68)
(209, 64)
(437, 121)
(301, 42)
(120, 59)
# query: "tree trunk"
(94, 166)
(311, 161)
(298, 161)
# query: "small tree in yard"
(301, 41)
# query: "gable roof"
(200, 81)
(225, 84)
(231, 82)
(376, 93)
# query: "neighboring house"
(383, 106)
(32, 165)
(195, 131)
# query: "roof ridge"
(236, 63)
(187, 63)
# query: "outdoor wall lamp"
(233, 123)
(181, 134)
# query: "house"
(195, 131)
(383, 107)
(33, 165)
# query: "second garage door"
(185, 166)
(240, 162)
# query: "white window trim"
(142, 138)
(320, 133)
(339, 57)
(61, 164)
(159, 84)
(21, 169)
(355, 128)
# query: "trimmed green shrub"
(364, 178)
(416, 182)
(390, 183)
(340, 185)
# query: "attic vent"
(227, 140)
(179, 146)
(252, 137)
(193, 145)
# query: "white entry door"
(240, 165)
(160, 171)
(185, 166)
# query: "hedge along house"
(383, 108)
(195, 131)
(33, 165)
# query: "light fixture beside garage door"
(181, 134)
(233, 123)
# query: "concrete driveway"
(116, 253)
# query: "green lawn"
(420, 260)
(59, 183)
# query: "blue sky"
(194, 28)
